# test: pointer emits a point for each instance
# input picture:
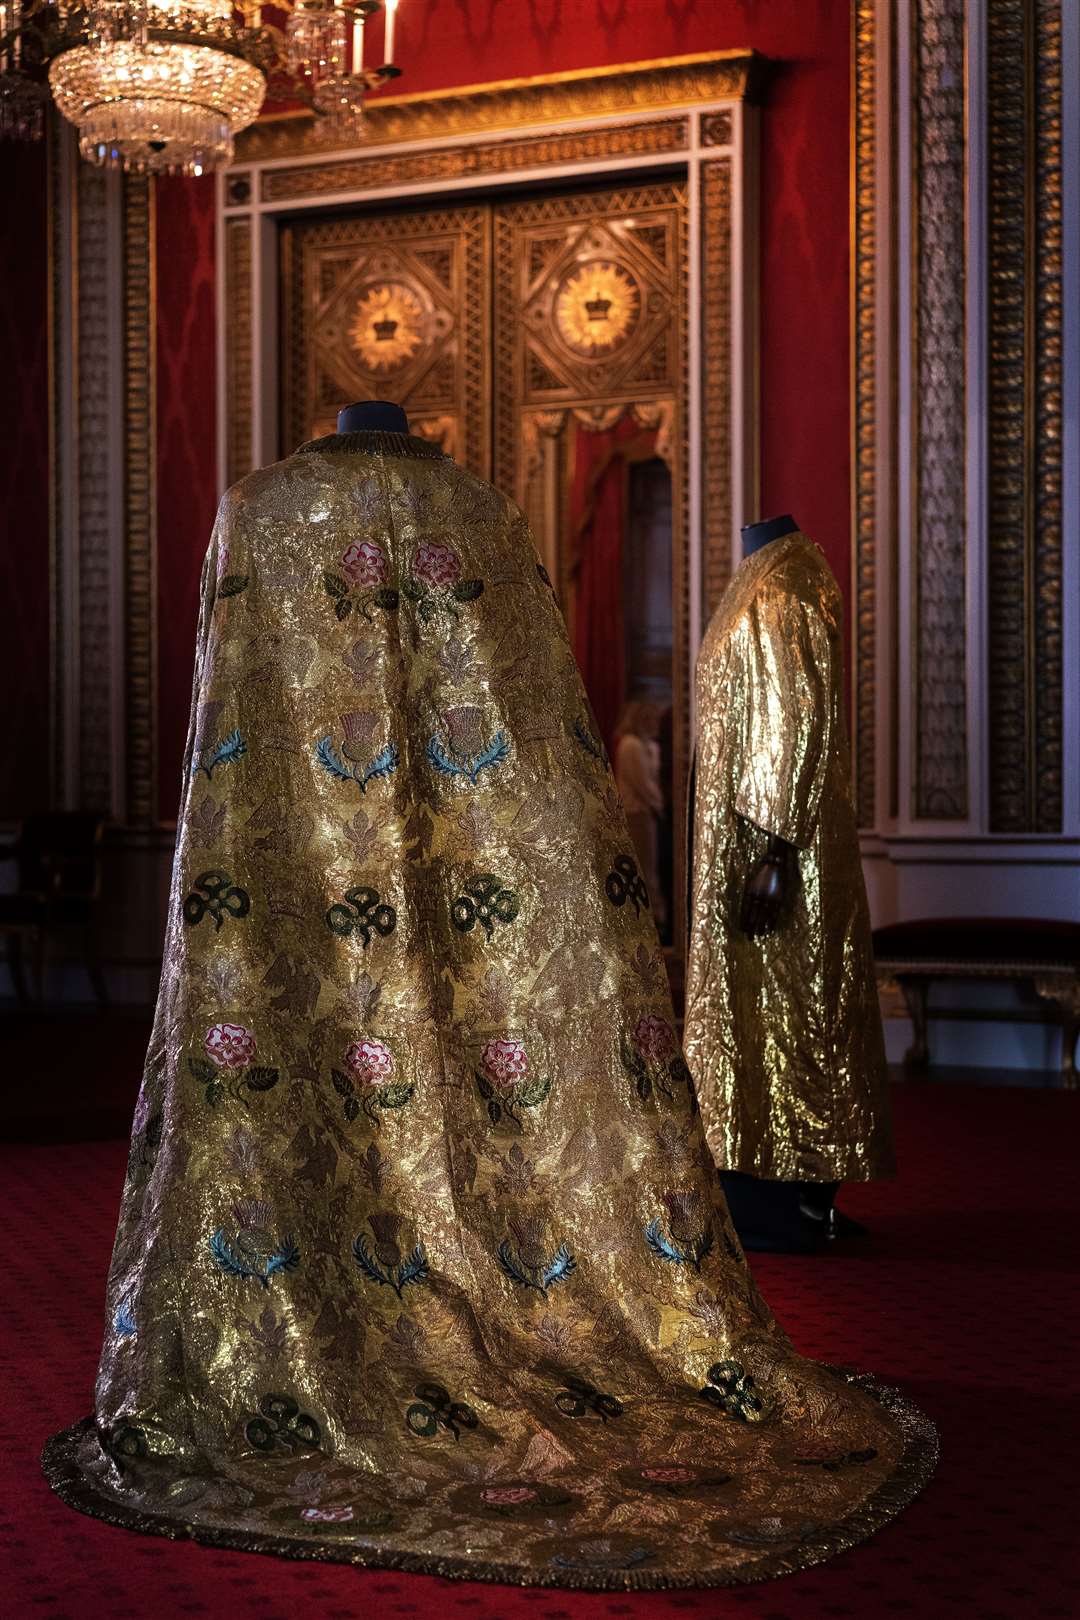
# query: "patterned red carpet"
(966, 1294)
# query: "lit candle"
(358, 45)
(391, 13)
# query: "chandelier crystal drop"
(156, 107)
(165, 85)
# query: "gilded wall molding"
(239, 450)
(938, 409)
(140, 500)
(1047, 424)
(87, 607)
(717, 128)
(632, 88)
(490, 157)
(864, 405)
(95, 337)
(1024, 413)
(62, 218)
(716, 381)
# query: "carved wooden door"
(390, 306)
(590, 407)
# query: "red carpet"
(966, 1294)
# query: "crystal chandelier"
(165, 85)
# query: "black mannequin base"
(785, 1217)
(756, 535)
(768, 1217)
(372, 416)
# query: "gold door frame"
(684, 116)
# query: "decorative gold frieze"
(938, 367)
(716, 381)
(89, 662)
(507, 156)
(1047, 427)
(1025, 314)
(140, 500)
(239, 451)
(717, 128)
(634, 88)
(864, 408)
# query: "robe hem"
(915, 1467)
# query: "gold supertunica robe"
(783, 1033)
(421, 1260)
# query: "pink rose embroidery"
(436, 564)
(371, 1062)
(230, 1046)
(338, 1515)
(504, 1062)
(668, 1476)
(654, 1039)
(364, 564)
(508, 1495)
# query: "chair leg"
(1064, 994)
(1070, 1034)
(915, 993)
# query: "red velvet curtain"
(597, 525)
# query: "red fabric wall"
(24, 482)
(804, 260)
(187, 485)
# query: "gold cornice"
(631, 87)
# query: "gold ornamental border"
(550, 98)
(1024, 668)
(140, 499)
(864, 404)
(506, 156)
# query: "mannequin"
(782, 1029)
(769, 884)
(422, 1261)
(372, 416)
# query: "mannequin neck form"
(756, 535)
(372, 416)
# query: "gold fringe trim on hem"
(916, 1465)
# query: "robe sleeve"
(786, 704)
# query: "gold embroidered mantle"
(421, 1261)
(783, 1033)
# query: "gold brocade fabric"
(421, 1260)
(783, 1033)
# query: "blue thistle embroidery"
(588, 742)
(124, 1325)
(542, 1277)
(412, 1270)
(226, 753)
(494, 754)
(663, 1247)
(284, 1258)
(385, 763)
